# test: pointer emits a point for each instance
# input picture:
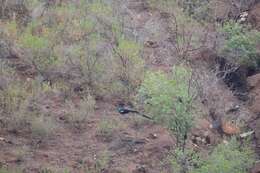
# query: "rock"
(151, 44)
(246, 134)
(230, 128)
(140, 169)
(202, 134)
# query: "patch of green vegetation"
(4, 170)
(34, 42)
(228, 158)
(183, 162)
(100, 8)
(240, 44)
(170, 98)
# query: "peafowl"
(123, 110)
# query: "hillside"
(129, 86)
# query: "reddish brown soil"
(254, 16)
(254, 84)
(138, 146)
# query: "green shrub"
(240, 44)
(170, 99)
(39, 45)
(228, 158)
(34, 42)
(183, 161)
(199, 10)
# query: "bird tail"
(143, 115)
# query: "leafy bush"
(228, 158)
(170, 99)
(225, 158)
(240, 44)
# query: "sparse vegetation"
(42, 127)
(67, 63)
(81, 112)
(106, 128)
(101, 162)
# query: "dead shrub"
(81, 112)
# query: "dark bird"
(123, 110)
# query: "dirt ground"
(138, 145)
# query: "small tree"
(240, 44)
(170, 100)
(228, 158)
